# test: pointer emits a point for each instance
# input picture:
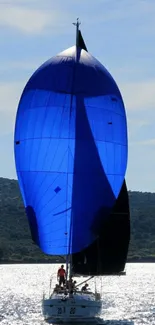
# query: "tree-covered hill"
(15, 240)
(142, 210)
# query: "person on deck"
(85, 287)
(69, 283)
(56, 289)
(74, 284)
(61, 275)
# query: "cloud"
(7, 165)
(130, 8)
(35, 16)
(28, 65)
(28, 20)
(121, 11)
(150, 142)
(138, 122)
(139, 95)
(10, 93)
(15, 2)
(136, 127)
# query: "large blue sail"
(70, 150)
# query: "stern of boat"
(65, 309)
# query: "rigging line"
(55, 231)
(56, 214)
(48, 241)
(59, 173)
(58, 206)
(71, 152)
(45, 171)
(84, 281)
(50, 212)
(52, 222)
(98, 255)
(56, 138)
(62, 258)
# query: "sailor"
(61, 275)
(73, 284)
(56, 289)
(85, 287)
(69, 283)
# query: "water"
(128, 300)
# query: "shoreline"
(131, 260)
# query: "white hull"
(81, 307)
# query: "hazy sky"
(120, 33)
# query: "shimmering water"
(127, 300)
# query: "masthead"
(77, 24)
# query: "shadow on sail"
(108, 253)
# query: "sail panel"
(44, 162)
(70, 161)
(81, 42)
(108, 253)
(108, 127)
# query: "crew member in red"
(61, 276)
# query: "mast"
(77, 24)
(69, 255)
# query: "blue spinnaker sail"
(70, 150)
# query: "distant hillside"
(15, 240)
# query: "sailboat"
(105, 256)
(71, 157)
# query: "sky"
(119, 33)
